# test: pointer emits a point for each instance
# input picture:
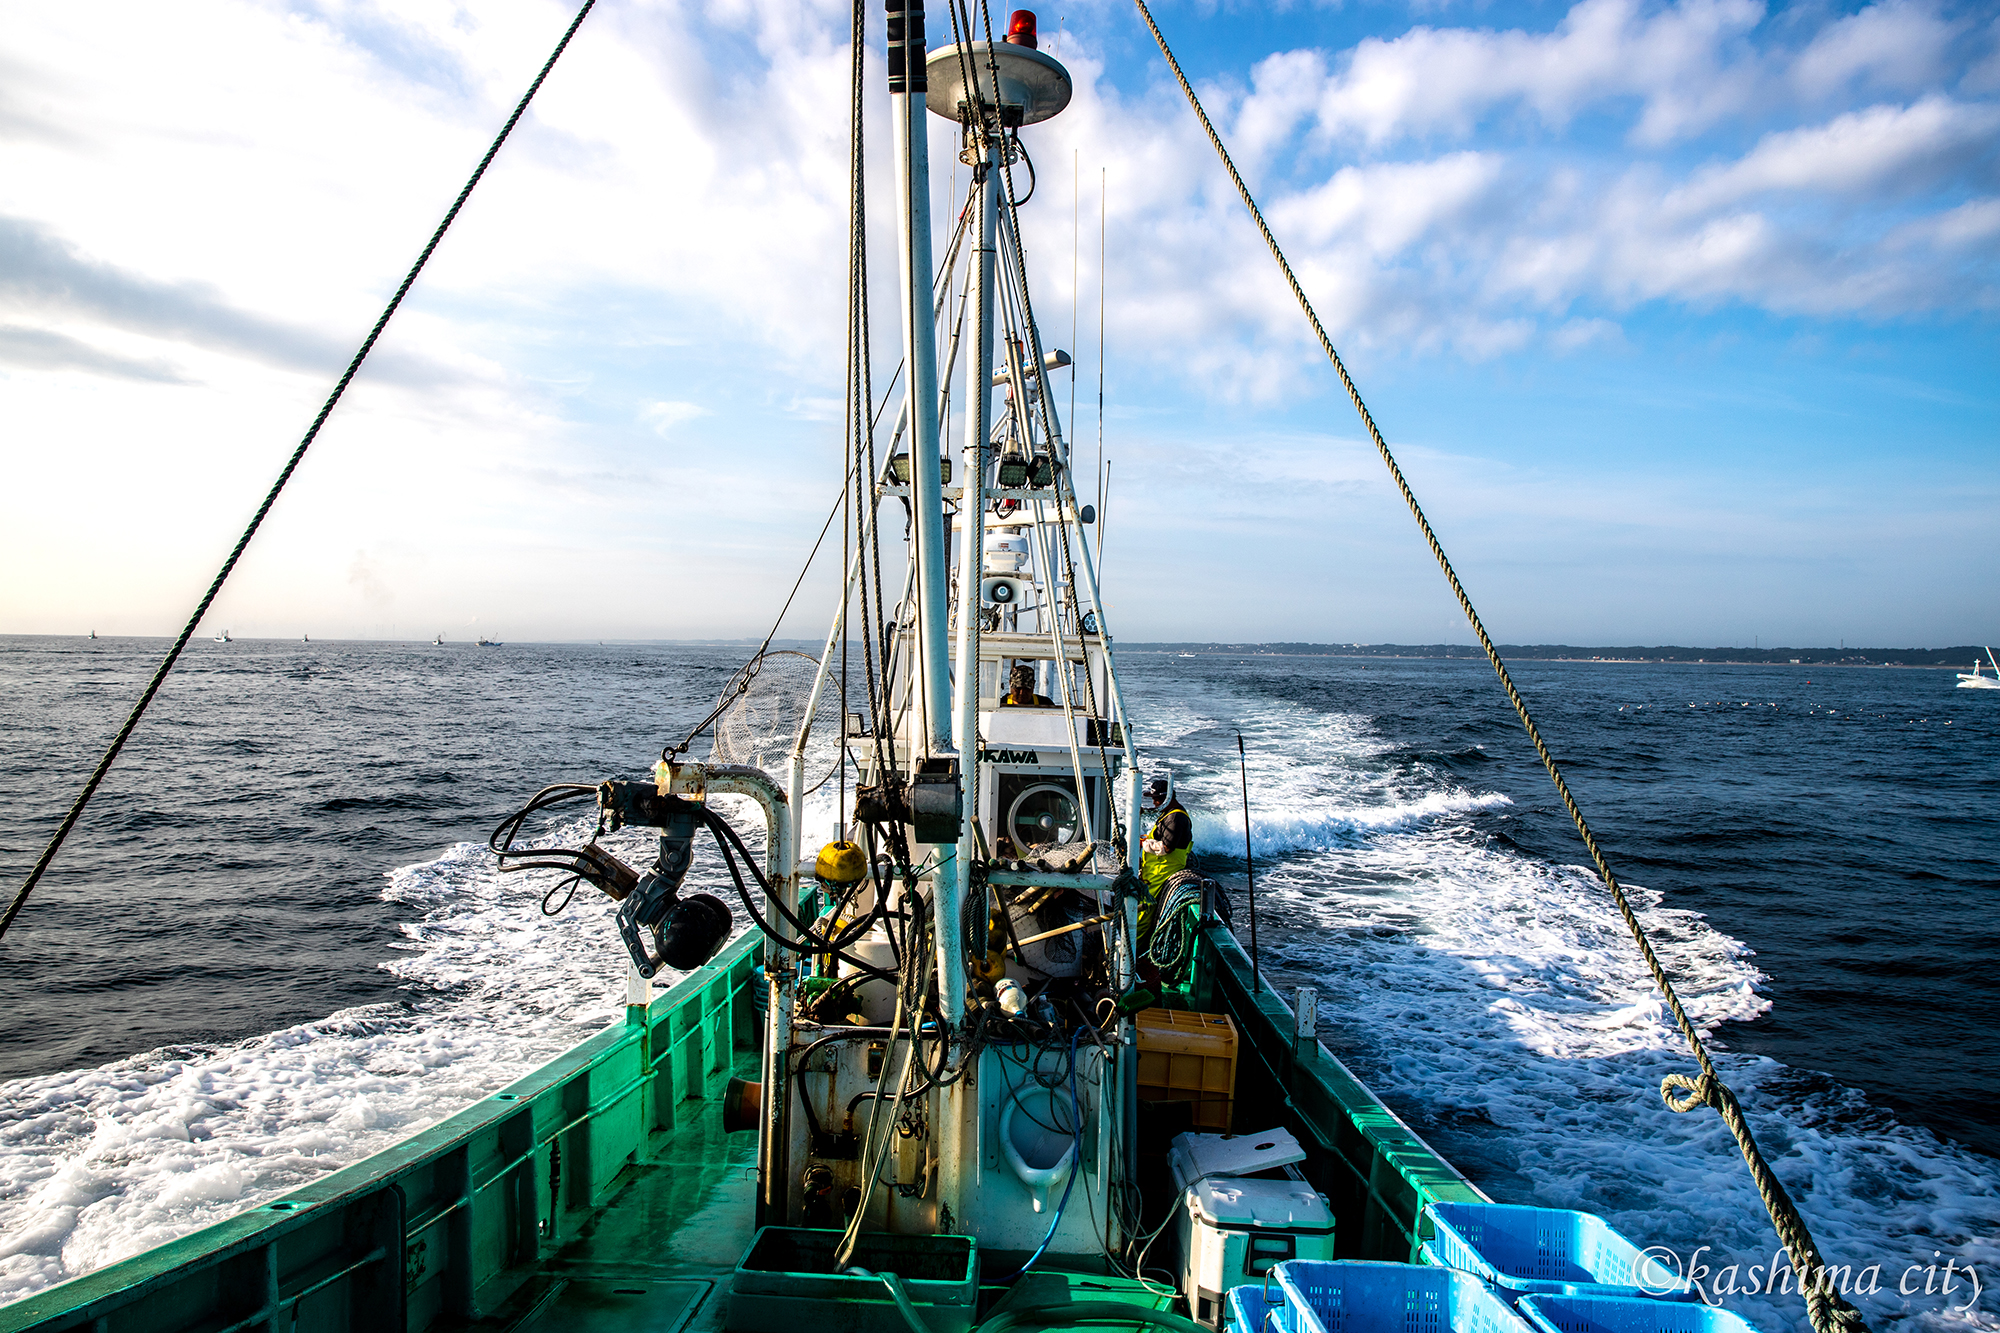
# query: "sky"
(1681, 317)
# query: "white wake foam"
(102, 1164)
(1499, 1004)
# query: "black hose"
(1023, 148)
(808, 943)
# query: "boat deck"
(601, 1192)
(657, 1254)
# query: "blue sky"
(1680, 316)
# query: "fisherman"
(1165, 849)
(1021, 689)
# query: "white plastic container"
(1194, 1156)
(1233, 1231)
(875, 998)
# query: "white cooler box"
(1234, 1230)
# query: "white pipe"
(698, 782)
(955, 886)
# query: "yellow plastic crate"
(1189, 1057)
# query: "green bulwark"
(602, 1193)
(459, 1225)
(1374, 1169)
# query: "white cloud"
(1882, 150)
(664, 416)
(1385, 208)
(1678, 61)
(1578, 334)
(1972, 223)
(237, 186)
(1894, 46)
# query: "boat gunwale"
(1402, 1173)
(100, 1293)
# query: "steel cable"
(1829, 1311)
(291, 465)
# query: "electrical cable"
(808, 943)
(913, 964)
(291, 465)
(1022, 149)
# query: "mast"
(907, 86)
(972, 539)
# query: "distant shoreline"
(1927, 659)
(1930, 659)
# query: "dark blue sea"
(277, 943)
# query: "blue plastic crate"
(1361, 1296)
(1627, 1314)
(1554, 1250)
(1248, 1307)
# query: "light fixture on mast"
(1033, 87)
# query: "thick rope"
(298, 455)
(1830, 1313)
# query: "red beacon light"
(1021, 29)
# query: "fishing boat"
(484, 643)
(994, 1056)
(222, 637)
(1973, 680)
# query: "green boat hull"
(602, 1192)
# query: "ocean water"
(277, 943)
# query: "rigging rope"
(291, 465)
(1829, 1311)
(861, 425)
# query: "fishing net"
(766, 702)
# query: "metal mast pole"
(907, 86)
(972, 526)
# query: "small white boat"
(438, 641)
(1974, 681)
(222, 637)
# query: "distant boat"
(489, 643)
(1975, 681)
(93, 634)
(438, 641)
(306, 638)
(222, 637)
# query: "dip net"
(763, 705)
